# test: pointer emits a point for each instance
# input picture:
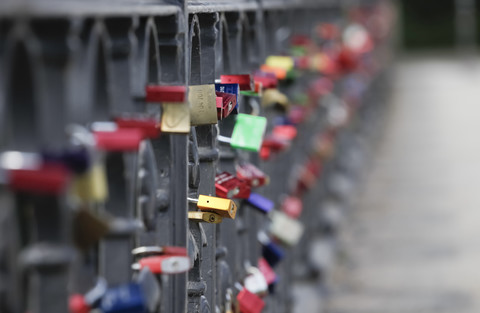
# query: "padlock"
(267, 271)
(271, 251)
(248, 132)
(297, 114)
(119, 140)
(229, 186)
(162, 94)
(226, 104)
(244, 81)
(255, 282)
(252, 174)
(292, 206)
(268, 80)
(232, 89)
(76, 159)
(286, 229)
(157, 250)
(164, 264)
(249, 302)
(92, 185)
(284, 62)
(286, 132)
(274, 144)
(279, 73)
(203, 105)
(124, 298)
(88, 229)
(223, 207)
(260, 203)
(45, 179)
(274, 98)
(229, 301)
(149, 127)
(175, 118)
(77, 304)
(207, 217)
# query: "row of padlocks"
(179, 157)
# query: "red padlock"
(164, 264)
(286, 132)
(252, 175)
(149, 126)
(267, 271)
(229, 186)
(249, 302)
(244, 81)
(292, 206)
(119, 140)
(268, 80)
(47, 179)
(156, 93)
(77, 304)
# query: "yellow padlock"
(208, 217)
(273, 97)
(223, 207)
(284, 62)
(92, 185)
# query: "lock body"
(223, 207)
(203, 105)
(207, 217)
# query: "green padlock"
(248, 132)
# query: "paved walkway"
(412, 243)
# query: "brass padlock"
(175, 118)
(272, 97)
(223, 207)
(91, 186)
(203, 105)
(208, 217)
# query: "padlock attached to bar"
(244, 81)
(255, 282)
(286, 229)
(149, 127)
(204, 217)
(203, 105)
(164, 264)
(249, 302)
(286, 63)
(260, 203)
(124, 298)
(268, 80)
(267, 271)
(229, 186)
(252, 174)
(275, 99)
(224, 207)
(248, 132)
(271, 251)
(292, 206)
(226, 102)
(175, 108)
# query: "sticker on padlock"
(271, 251)
(206, 217)
(223, 207)
(274, 98)
(244, 81)
(161, 94)
(175, 118)
(232, 89)
(286, 229)
(203, 105)
(260, 203)
(229, 186)
(124, 298)
(252, 174)
(284, 62)
(249, 302)
(157, 250)
(292, 206)
(248, 132)
(164, 264)
(267, 271)
(226, 104)
(149, 127)
(255, 282)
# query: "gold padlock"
(175, 118)
(91, 186)
(273, 97)
(208, 217)
(223, 207)
(203, 105)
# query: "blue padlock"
(272, 253)
(260, 203)
(128, 298)
(77, 160)
(231, 89)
